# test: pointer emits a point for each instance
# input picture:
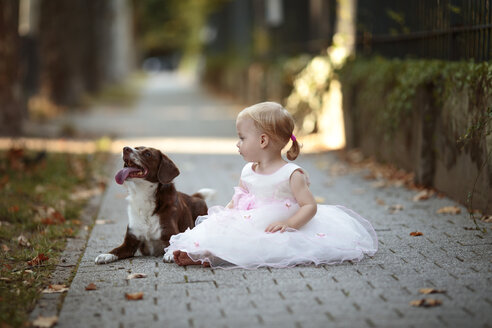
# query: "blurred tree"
(172, 26)
(10, 90)
(61, 50)
(83, 45)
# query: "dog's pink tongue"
(123, 174)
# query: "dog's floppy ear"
(167, 170)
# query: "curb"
(49, 305)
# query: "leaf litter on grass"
(37, 215)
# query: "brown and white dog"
(156, 211)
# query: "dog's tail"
(205, 194)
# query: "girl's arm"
(231, 203)
(306, 201)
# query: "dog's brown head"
(146, 163)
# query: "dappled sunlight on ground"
(179, 145)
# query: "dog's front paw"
(105, 258)
(168, 257)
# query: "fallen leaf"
(77, 167)
(431, 291)
(91, 286)
(395, 208)
(416, 233)
(48, 215)
(104, 221)
(23, 241)
(449, 210)
(55, 289)
(45, 322)
(423, 195)
(379, 184)
(338, 169)
(134, 296)
(68, 231)
(319, 199)
(13, 209)
(136, 276)
(84, 194)
(5, 248)
(426, 302)
(38, 260)
(355, 156)
(380, 201)
(3, 181)
(487, 219)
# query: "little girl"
(272, 219)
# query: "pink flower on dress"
(242, 199)
(197, 244)
(320, 234)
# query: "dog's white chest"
(141, 205)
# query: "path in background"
(372, 293)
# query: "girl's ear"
(264, 140)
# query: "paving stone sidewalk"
(375, 292)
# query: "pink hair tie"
(293, 137)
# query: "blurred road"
(375, 292)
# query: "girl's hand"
(277, 226)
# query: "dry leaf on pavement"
(395, 208)
(134, 296)
(338, 169)
(487, 219)
(55, 289)
(431, 291)
(136, 276)
(91, 286)
(426, 302)
(380, 201)
(45, 322)
(104, 221)
(423, 195)
(416, 233)
(449, 210)
(379, 184)
(319, 199)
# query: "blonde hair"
(274, 120)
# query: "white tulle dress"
(236, 238)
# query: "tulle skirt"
(231, 238)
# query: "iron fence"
(440, 29)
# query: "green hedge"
(389, 87)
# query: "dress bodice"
(269, 187)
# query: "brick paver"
(372, 293)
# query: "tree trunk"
(83, 44)
(62, 47)
(10, 89)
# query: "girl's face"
(249, 143)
